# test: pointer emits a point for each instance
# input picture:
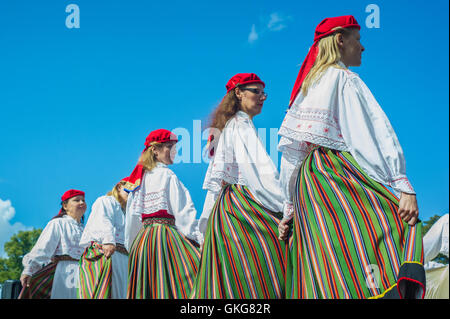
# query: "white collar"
(162, 165)
(242, 114)
(340, 63)
(71, 219)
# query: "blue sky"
(76, 104)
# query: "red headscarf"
(158, 136)
(242, 79)
(68, 195)
(71, 193)
(325, 28)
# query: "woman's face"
(252, 98)
(75, 207)
(351, 48)
(166, 153)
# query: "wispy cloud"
(7, 212)
(253, 36)
(273, 23)
(277, 22)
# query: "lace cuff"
(31, 269)
(402, 185)
(198, 236)
(288, 210)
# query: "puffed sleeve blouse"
(61, 236)
(339, 112)
(241, 158)
(106, 223)
(161, 190)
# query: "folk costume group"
(325, 226)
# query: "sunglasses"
(255, 91)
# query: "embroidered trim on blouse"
(313, 138)
(313, 114)
(152, 202)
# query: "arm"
(182, 207)
(133, 222)
(374, 144)
(220, 171)
(43, 250)
(257, 168)
(208, 206)
(293, 154)
(100, 226)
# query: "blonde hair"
(115, 193)
(328, 55)
(148, 158)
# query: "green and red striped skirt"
(242, 256)
(162, 263)
(40, 284)
(348, 240)
(95, 274)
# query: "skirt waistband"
(59, 258)
(121, 249)
(158, 220)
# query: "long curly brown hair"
(227, 108)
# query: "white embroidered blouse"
(241, 158)
(161, 189)
(61, 236)
(106, 223)
(340, 112)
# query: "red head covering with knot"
(325, 28)
(71, 193)
(243, 79)
(158, 136)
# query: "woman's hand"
(283, 229)
(25, 280)
(108, 249)
(408, 209)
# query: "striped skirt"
(162, 264)
(95, 274)
(242, 256)
(348, 240)
(40, 284)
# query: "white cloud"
(253, 36)
(276, 22)
(7, 212)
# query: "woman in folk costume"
(160, 228)
(51, 267)
(352, 237)
(104, 264)
(241, 255)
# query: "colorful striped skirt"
(242, 256)
(40, 284)
(95, 274)
(348, 240)
(57, 280)
(163, 263)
